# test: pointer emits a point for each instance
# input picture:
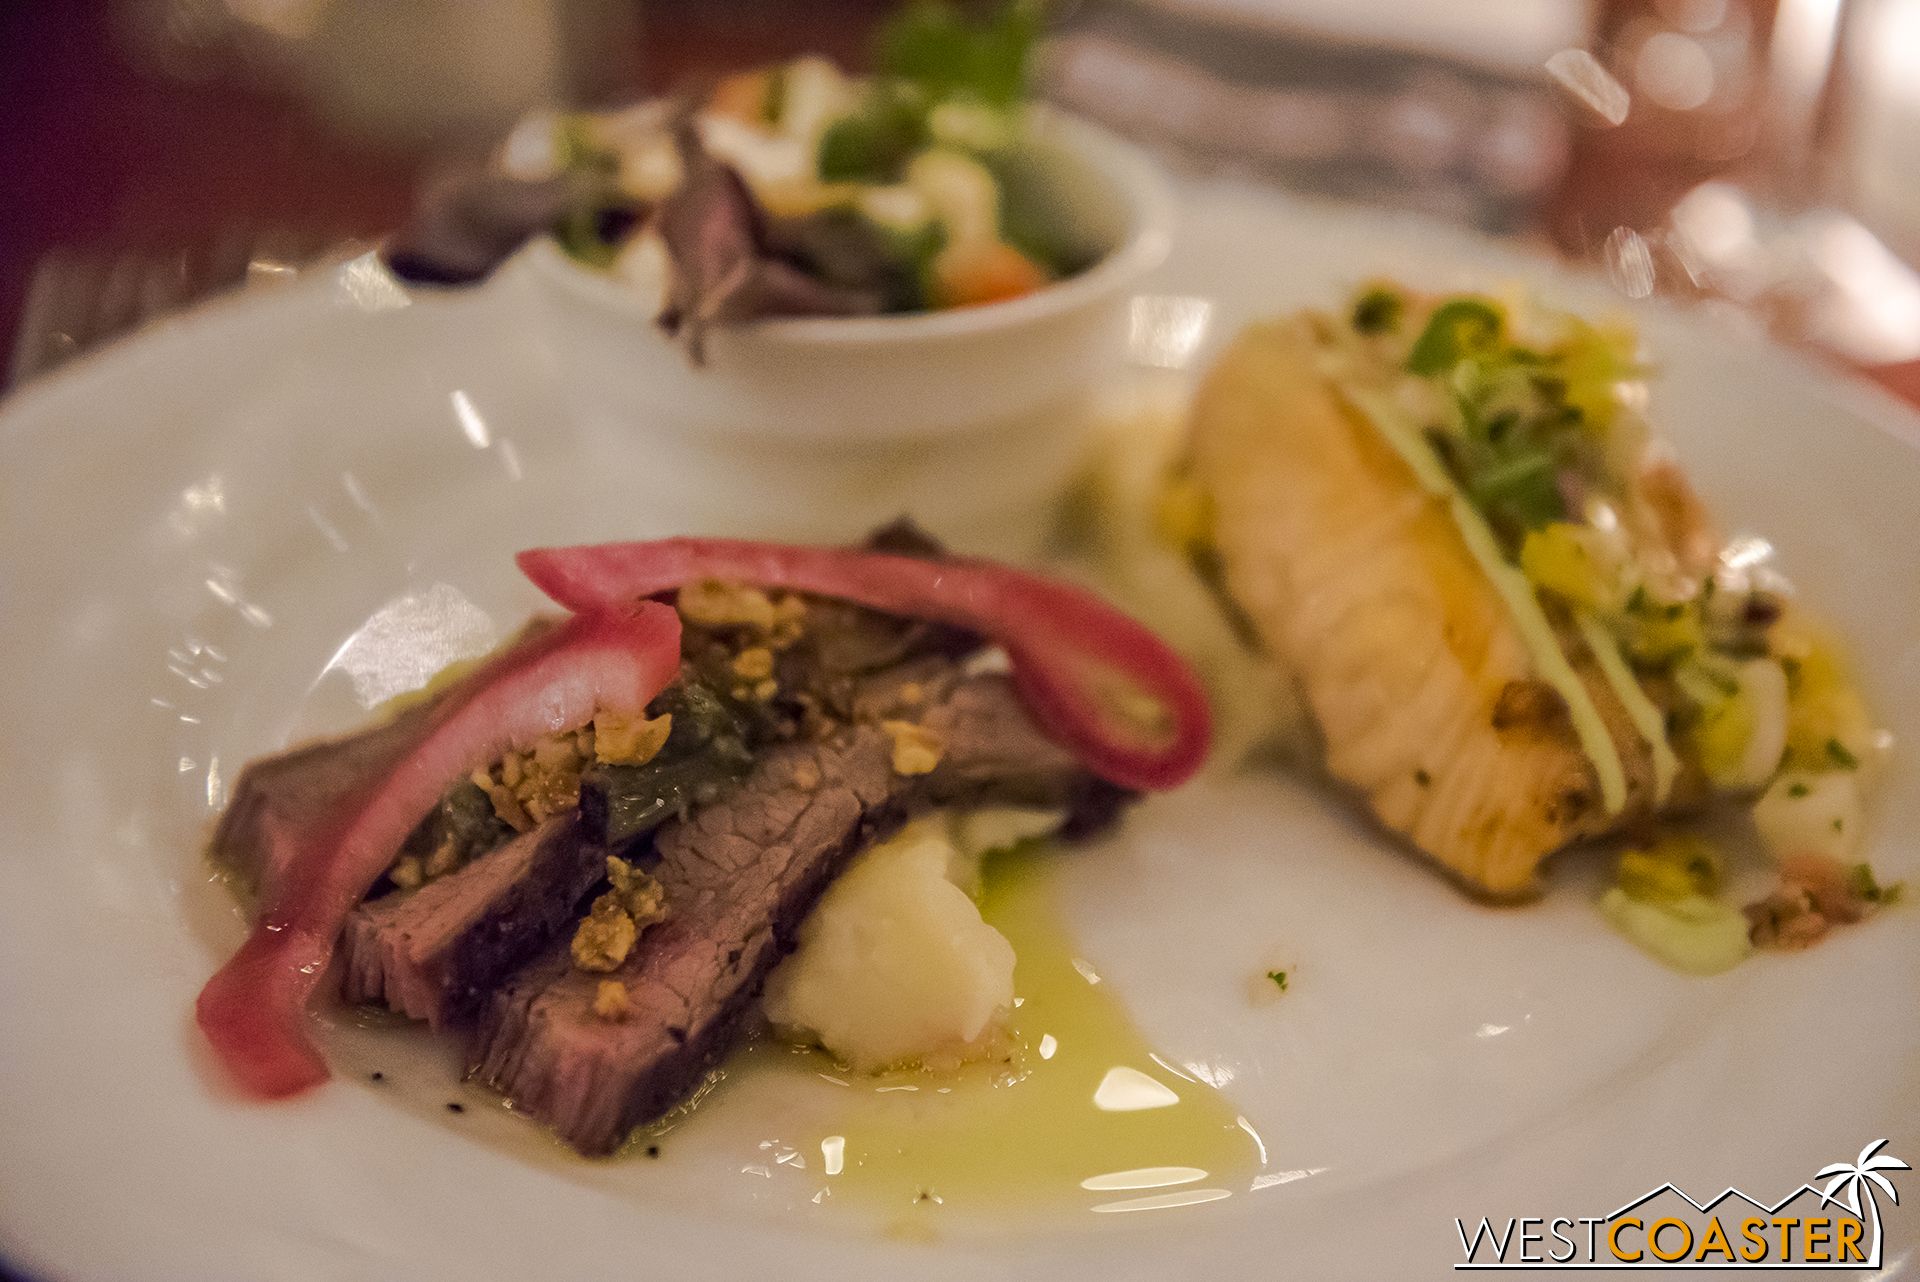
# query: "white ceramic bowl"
(967, 419)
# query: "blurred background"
(1761, 156)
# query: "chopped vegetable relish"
(1534, 418)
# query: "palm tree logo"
(1862, 1174)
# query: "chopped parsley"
(1518, 428)
(1378, 311)
(1837, 751)
(1861, 880)
(1458, 328)
(1279, 977)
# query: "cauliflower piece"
(1811, 813)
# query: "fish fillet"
(1357, 580)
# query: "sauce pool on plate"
(1080, 1116)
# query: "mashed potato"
(895, 965)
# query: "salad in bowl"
(798, 190)
(876, 295)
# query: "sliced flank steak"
(437, 953)
(739, 876)
(698, 773)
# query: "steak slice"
(277, 800)
(312, 863)
(739, 877)
(436, 953)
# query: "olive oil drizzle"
(1077, 1113)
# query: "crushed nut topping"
(789, 621)
(916, 749)
(604, 937)
(776, 620)
(610, 1002)
(606, 934)
(630, 741)
(717, 603)
(530, 785)
(755, 663)
(638, 891)
(1814, 894)
(444, 859)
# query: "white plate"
(195, 522)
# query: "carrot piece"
(745, 96)
(986, 271)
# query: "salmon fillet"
(1356, 579)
